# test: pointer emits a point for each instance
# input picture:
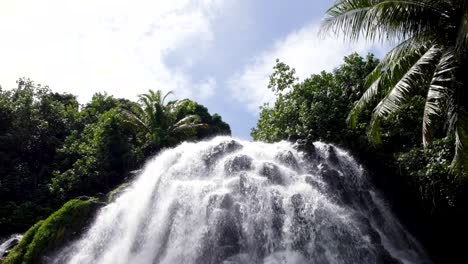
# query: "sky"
(216, 52)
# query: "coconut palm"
(156, 118)
(431, 56)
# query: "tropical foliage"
(431, 56)
(163, 124)
(315, 108)
(53, 149)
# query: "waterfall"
(233, 201)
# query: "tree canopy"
(53, 149)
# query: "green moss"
(116, 192)
(52, 233)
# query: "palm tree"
(431, 55)
(157, 120)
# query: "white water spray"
(8, 243)
(230, 201)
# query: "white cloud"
(304, 49)
(118, 46)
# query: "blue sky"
(216, 52)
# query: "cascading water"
(230, 201)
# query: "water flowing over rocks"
(6, 245)
(229, 201)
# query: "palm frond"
(388, 72)
(460, 161)
(461, 43)
(190, 119)
(173, 105)
(348, 22)
(375, 130)
(407, 84)
(381, 19)
(368, 96)
(133, 120)
(166, 95)
(189, 122)
(438, 94)
(186, 127)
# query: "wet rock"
(259, 240)
(223, 201)
(335, 185)
(365, 227)
(238, 163)
(245, 185)
(83, 198)
(309, 179)
(9, 245)
(211, 204)
(297, 201)
(272, 173)
(220, 150)
(132, 174)
(222, 240)
(332, 155)
(277, 220)
(228, 233)
(226, 201)
(300, 224)
(112, 196)
(306, 146)
(277, 203)
(385, 258)
(287, 158)
(330, 176)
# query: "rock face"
(226, 201)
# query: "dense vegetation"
(432, 57)
(426, 193)
(53, 149)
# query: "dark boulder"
(300, 223)
(222, 239)
(297, 202)
(220, 150)
(272, 173)
(330, 176)
(336, 185)
(309, 179)
(238, 163)
(306, 146)
(226, 201)
(287, 158)
(277, 221)
(332, 156)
